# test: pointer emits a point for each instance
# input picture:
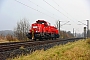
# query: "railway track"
(12, 45)
(7, 48)
(17, 45)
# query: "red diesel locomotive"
(42, 30)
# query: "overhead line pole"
(73, 32)
(59, 27)
(62, 24)
(87, 28)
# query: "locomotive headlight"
(34, 26)
(36, 31)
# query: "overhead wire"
(67, 13)
(64, 10)
(34, 9)
(56, 9)
(43, 8)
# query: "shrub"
(2, 37)
(11, 38)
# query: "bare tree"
(21, 30)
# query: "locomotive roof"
(41, 21)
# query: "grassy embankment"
(79, 50)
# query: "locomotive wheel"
(34, 39)
(40, 38)
(52, 38)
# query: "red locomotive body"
(42, 30)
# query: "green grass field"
(79, 50)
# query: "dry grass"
(79, 50)
(8, 38)
(3, 41)
(88, 41)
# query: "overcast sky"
(12, 11)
